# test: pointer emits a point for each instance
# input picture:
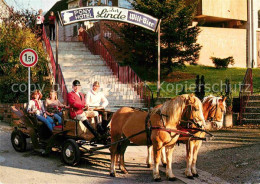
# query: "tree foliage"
(178, 38)
(16, 34)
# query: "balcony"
(222, 10)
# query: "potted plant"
(228, 117)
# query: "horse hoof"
(112, 175)
(173, 179)
(190, 177)
(195, 175)
(164, 165)
(157, 179)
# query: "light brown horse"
(128, 121)
(213, 111)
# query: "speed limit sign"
(28, 57)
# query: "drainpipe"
(250, 31)
(249, 38)
(253, 34)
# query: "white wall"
(222, 43)
(256, 8)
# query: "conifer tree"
(178, 37)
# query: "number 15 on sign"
(28, 58)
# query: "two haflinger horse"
(213, 112)
(161, 129)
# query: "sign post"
(159, 60)
(28, 58)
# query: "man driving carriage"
(77, 103)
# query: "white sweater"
(95, 98)
(32, 107)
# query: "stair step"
(252, 110)
(251, 115)
(68, 48)
(254, 97)
(84, 67)
(78, 57)
(253, 103)
(90, 79)
(77, 62)
(250, 121)
(61, 43)
(83, 71)
(64, 52)
(86, 74)
(77, 65)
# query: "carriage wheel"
(18, 140)
(70, 152)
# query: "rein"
(149, 128)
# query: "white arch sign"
(109, 13)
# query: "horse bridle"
(213, 119)
(183, 113)
(191, 120)
(149, 127)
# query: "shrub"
(15, 36)
(223, 63)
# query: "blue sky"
(31, 4)
(44, 4)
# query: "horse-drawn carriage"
(70, 137)
(159, 128)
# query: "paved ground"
(229, 158)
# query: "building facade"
(255, 17)
(223, 26)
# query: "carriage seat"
(57, 128)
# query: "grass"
(182, 80)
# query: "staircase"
(251, 114)
(77, 62)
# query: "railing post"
(57, 51)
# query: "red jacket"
(76, 103)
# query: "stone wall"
(6, 113)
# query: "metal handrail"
(62, 85)
(125, 74)
(61, 80)
(245, 91)
(49, 51)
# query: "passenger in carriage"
(77, 104)
(36, 107)
(97, 99)
(54, 106)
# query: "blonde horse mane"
(214, 100)
(172, 107)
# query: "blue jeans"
(57, 116)
(48, 121)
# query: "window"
(259, 19)
(125, 4)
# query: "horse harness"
(149, 128)
(211, 110)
